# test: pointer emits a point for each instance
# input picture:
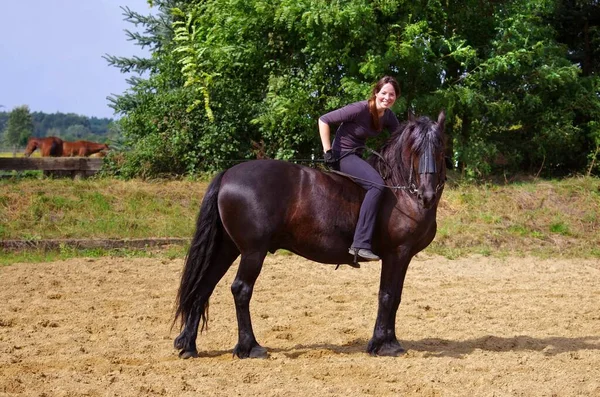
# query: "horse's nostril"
(426, 198)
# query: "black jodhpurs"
(370, 180)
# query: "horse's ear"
(442, 118)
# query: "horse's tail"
(203, 246)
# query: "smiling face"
(385, 98)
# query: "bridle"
(427, 165)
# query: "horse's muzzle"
(426, 198)
(427, 191)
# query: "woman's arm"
(325, 134)
(347, 113)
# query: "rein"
(410, 187)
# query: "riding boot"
(363, 254)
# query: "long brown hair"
(372, 103)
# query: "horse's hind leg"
(242, 287)
(186, 341)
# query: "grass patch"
(64, 253)
(98, 208)
(545, 218)
(19, 153)
(559, 228)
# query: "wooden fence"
(75, 167)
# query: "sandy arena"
(472, 327)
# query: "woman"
(357, 122)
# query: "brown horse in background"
(50, 146)
(82, 148)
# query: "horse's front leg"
(393, 272)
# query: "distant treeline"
(69, 126)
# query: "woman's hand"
(331, 159)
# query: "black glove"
(331, 159)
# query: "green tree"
(234, 73)
(228, 76)
(77, 132)
(577, 23)
(53, 131)
(158, 132)
(3, 120)
(57, 124)
(524, 105)
(19, 126)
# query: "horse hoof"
(258, 352)
(390, 350)
(255, 352)
(185, 354)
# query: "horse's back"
(82, 148)
(277, 204)
(267, 189)
(274, 184)
(50, 146)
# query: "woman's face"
(386, 97)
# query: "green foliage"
(19, 126)
(559, 228)
(191, 61)
(524, 107)
(231, 80)
(594, 156)
(168, 141)
(3, 120)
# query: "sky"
(51, 54)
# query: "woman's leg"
(373, 183)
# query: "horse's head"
(428, 160)
(32, 144)
(415, 158)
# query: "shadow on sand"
(435, 347)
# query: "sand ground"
(472, 327)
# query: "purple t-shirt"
(356, 125)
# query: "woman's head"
(383, 96)
(386, 83)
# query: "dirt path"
(472, 327)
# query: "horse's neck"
(401, 174)
(408, 212)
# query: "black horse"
(263, 205)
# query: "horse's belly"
(272, 205)
(317, 231)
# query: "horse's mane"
(411, 137)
